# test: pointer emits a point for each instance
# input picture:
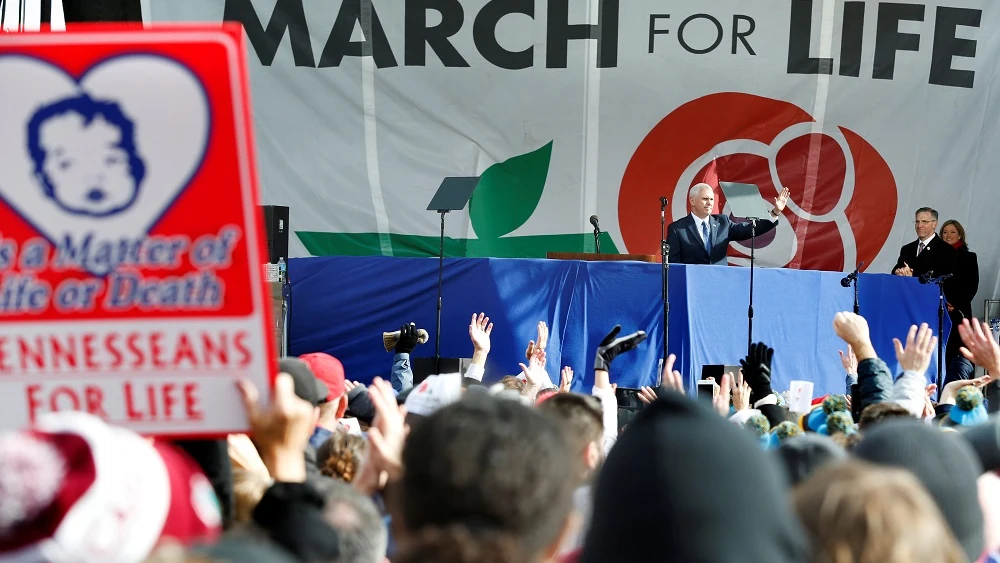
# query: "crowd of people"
(527, 469)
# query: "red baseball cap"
(329, 370)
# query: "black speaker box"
(276, 230)
(423, 367)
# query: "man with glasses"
(928, 253)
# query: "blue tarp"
(341, 305)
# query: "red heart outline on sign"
(840, 219)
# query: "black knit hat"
(985, 441)
(943, 462)
(802, 455)
(682, 484)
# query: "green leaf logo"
(508, 193)
(506, 196)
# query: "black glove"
(757, 371)
(612, 345)
(407, 339)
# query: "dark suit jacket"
(686, 246)
(938, 257)
(965, 284)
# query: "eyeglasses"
(924, 222)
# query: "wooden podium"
(592, 257)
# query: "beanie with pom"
(969, 409)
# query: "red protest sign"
(129, 236)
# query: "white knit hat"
(433, 393)
(76, 489)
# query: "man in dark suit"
(703, 238)
(928, 253)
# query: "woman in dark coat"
(960, 291)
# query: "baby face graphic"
(85, 156)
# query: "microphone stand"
(857, 306)
(852, 278)
(665, 274)
(753, 239)
(597, 239)
(437, 325)
(939, 281)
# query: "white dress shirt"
(699, 222)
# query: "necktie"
(920, 248)
(704, 235)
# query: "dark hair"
(581, 417)
(879, 412)
(361, 532)
(933, 212)
(340, 456)
(87, 108)
(491, 466)
(456, 544)
(958, 227)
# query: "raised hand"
(849, 361)
(408, 339)
(565, 379)
(647, 395)
(613, 345)
(543, 340)
(980, 344)
(535, 372)
(282, 429)
(388, 430)
(781, 201)
(741, 393)
(757, 370)
(950, 390)
(853, 329)
(920, 346)
(479, 332)
(904, 271)
(721, 398)
(670, 378)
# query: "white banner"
(568, 109)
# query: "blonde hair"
(341, 455)
(248, 488)
(856, 512)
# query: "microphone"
(597, 233)
(927, 276)
(853, 276)
(663, 203)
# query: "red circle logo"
(843, 194)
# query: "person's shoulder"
(947, 248)
(680, 223)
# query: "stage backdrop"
(341, 305)
(864, 110)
